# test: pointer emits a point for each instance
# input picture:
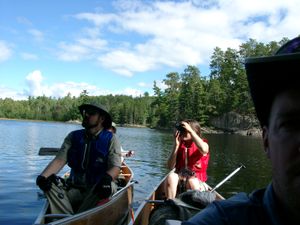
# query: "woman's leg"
(171, 185)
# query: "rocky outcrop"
(235, 123)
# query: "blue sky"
(56, 47)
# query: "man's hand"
(103, 188)
(43, 183)
(129, 153)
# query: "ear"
(265, 136)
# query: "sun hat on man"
(268, 76)
(102, 111)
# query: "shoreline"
(255, 132)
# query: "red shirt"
(196, 161)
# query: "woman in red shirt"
(189, 157)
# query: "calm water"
(20, 163)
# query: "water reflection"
(227, 152)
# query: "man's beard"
(85, 123)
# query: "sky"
(60, 47)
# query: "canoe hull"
(142, 214)
(115, 212)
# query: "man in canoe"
(94, 156)
(189, 157)
(275, 90)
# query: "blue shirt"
(258, 208)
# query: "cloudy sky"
(56, 47)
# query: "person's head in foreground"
(275, 90)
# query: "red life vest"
(196, 161)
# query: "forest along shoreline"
(231, 123)
(227, 124)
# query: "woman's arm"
(202, 146)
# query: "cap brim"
(268, 76)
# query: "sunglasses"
(292, 46)
(90, 112)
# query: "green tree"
(192, 95)
(171, 94)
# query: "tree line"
(187, 95)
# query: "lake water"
(20, 164)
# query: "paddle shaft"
(228, 177)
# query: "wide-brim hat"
(268, 76)
(101, 109)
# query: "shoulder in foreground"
(235, 210)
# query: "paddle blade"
(48, 151)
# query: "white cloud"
(160, 84)
(5, 51)
(82, 49)
(34, 82)
(73, 52)
(95, 44)
(142, 84)
(24, 20)
(175, 34)
(36, 87)
(131, 91)
(125, 63)
(10, 93)
(37, 34)
(63, 89)
(99, 19)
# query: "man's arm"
(114, 158)
(114, 172)
(60, 160)
(54, 167)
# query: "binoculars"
(179, 127)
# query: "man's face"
(282, 143)
(91, 118)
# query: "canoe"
(157, 197)
(117, 211)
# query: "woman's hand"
(177, 138)
(172, 158)
(187, 126)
